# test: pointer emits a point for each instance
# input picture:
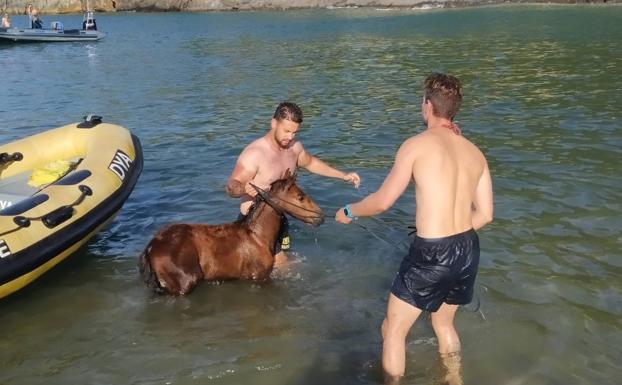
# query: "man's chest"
(274, 165)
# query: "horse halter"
(265, 195)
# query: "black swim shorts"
(438, 270)
(282, 240)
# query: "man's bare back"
(452, 183)
(446, 169)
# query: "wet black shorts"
(282, 241)
(438, 270)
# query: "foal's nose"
(318, 221)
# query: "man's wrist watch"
(348, 212)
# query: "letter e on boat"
(4, 249)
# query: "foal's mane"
(277, 185)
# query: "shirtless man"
(268, 158)
(33, 15)
(6, 21)
(453, 191)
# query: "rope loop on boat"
(54, 217)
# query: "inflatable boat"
(57, 189)
(57, 33)
(50, 35)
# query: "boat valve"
(21, 221)
(90, 121)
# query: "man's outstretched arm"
(393, 186)
(317, 166)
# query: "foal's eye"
(301, 198)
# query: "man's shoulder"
(297, 147)
(257, 145)
(410, 149)
(473, 147)
(416, 141)
(254, 150)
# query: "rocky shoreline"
(76, 6)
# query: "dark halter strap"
(265, 196)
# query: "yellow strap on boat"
(49, 173)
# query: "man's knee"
(439, 323)
(280, 259)
(444, 317)
(391, 329)
(392, 379)
(383, 328)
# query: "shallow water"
(541, 98)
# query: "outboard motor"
(57, 26)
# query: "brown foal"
(181, 255)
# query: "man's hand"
(340, 216)
(353, 178)
(234, 188)
(250, 190)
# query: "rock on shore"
(75, 6)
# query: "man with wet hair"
(268, 158)
(453, 190)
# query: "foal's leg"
(175, 260)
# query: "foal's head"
(289, 198)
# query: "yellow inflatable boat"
(57, 189)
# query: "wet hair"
(289, 111)
(445, 94)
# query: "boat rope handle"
(54, 217)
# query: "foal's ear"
(290, 175)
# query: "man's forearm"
(371, 205)
(235, 189)
(319, 167)
(480, 220)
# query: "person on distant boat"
(33, 15)
(6, 21)
(89, 24)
